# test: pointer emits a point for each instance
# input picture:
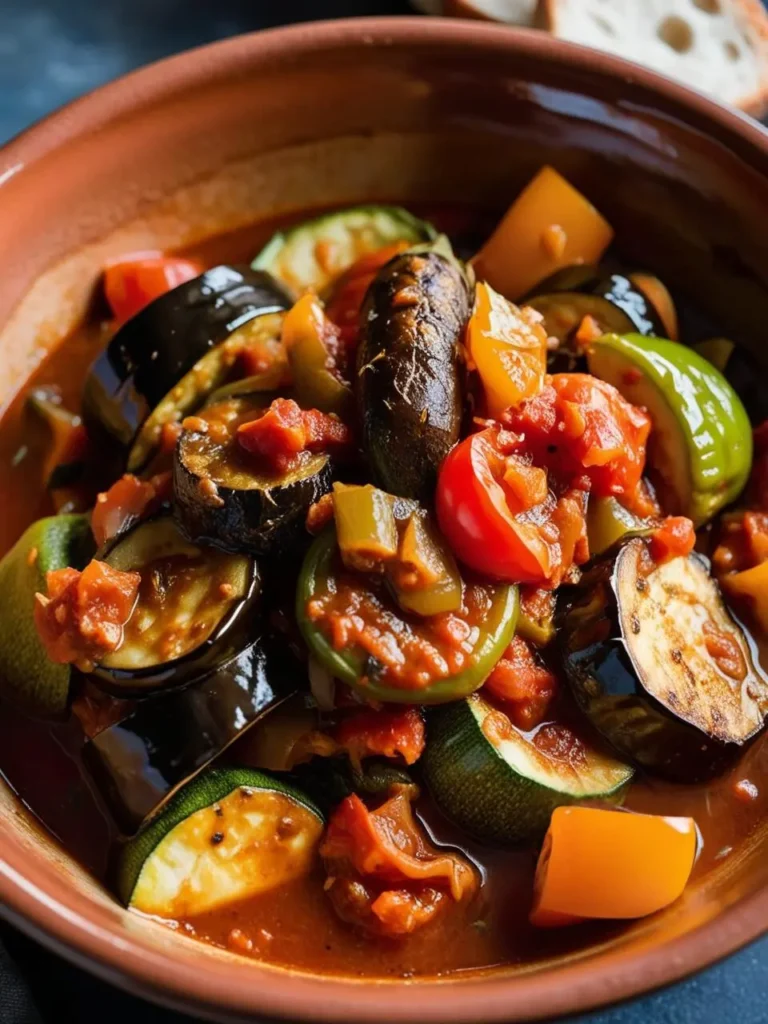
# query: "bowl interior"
(407, 111)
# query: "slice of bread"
(717, 46)
(514, 12)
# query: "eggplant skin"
(408, 385)
(164, 742)
(642, 681)
(150, 353)
(259, 520)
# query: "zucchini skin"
(408, 386)
(606, 686)
(206, 789)
(473, 785)
(254, 520)
(152, 351)
(139, 762)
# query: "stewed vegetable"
(391, 572)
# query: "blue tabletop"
(54, 50)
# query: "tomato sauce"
(295, 925)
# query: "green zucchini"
(501, 785)
(700, 447)
(227, 835)
(28, 679)
(293, 257)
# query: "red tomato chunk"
(391, 732)
(82, 618)
(383, 874)
(286, 430)
(524, 686)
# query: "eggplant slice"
(408, 383)
(138, 763)
(152, 353)
(193, 611)
(660, 666)
(612, 300)
(223, 497)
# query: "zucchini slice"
(139, 762)
(500, 784)
(28, 678)
(162, 348)
(222, 497)
(191, 613)
(313, 254)
(613, 301)
(700, 448)
(659, 665)
(229, 834)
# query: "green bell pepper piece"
(365, 526)
(424, 553)
(701, 442)
(349, 665)
(608, 522)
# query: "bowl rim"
(159, 975)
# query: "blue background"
(54, 50)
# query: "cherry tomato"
(475, 517)
(133, 281)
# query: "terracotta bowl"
(408, 109)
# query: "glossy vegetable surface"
(550, 225)
(134, 281)
(659, 665)
(701, 446)
(501, 784)
(27, 678)
(608, 864)
(351, 665)
(212, 593)
(219, 840)
(153, 351)
(227, 497)
(140, 760)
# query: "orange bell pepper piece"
(610, 865)
(549, 226)
(508, 347)
(751, 585)
(658, 295)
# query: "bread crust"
(749, 13)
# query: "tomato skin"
(474, 517)
(133, 281)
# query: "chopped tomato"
(286, 430)
(388, 844)
(349, 291)
(126, 500)
(383, 874)
(725, 651)
(133, 281)
(476, 512)
(391, 732)
(508, 348)
(610, 864)
(319, 515)
(579, 425)
(523, 684)
(674, 537)
(82, 617)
